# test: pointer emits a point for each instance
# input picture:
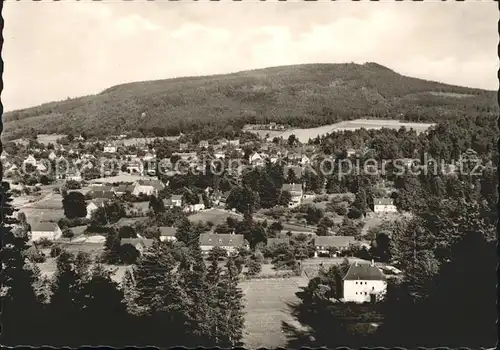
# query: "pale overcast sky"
(55, 50)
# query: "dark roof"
(273, 241)
(222, 239)
(297, 170)
(100, 188)
(167, 231)
(102, 194)
(124, 188)
(176, 197)
(364, 272)
(334, 241)
(134, 241)
(292, 187)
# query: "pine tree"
(21, 306)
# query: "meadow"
(309, 133)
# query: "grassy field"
(305, 134)
(217, 216)
(46, 138)
(266, 308)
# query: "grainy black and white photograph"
(249, 174)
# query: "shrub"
(254, 268)
(44, 242)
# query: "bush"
(341, 210)
(55, 251)
(254, 268)
(354, 213)
(44, 242)
(34, 255)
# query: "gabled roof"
(383, 201)
(167, 231)
(222, 239)
(291, 187)
(156, 184)
(146, 242)
(274, 241)
(334, 241)
(365, 272)
(297, 170)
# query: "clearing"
(266, 307)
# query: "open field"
(266, 308)
(305, 134)
(139, 141)
(48, 138)
(217, 216)
(122, 178)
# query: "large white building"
(384, 205)
(364, 283)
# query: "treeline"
(170, 298)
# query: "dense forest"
(301, 95)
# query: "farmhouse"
(383, 206)
(297, 172)
(203, 144)
(167, 233)
(326, 245)
(256, 159)
(140, 244)
(147, 187)
(276, 241)
(296, 192)
(364, 283)
(183, 146)
(229, 242)
(49, 230)
(235, 142)
(30, 160)
(104, 194)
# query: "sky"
(56, 50)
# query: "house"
(364, 283)
(94, 205)
(40, 166)
(350, 152)
(384, 206)
(227, 241)
(296, 192)
(109, 148)
(256, 159)
(325, 245)
(120, 190)
(304, 160)
(147, 187)
(167, 233)
(222, 142)
(183, 146)
(30, 160)
(45, 229)
(149, 156)
(52, 156)
(276, 241)
(191, 156)
(219, 155)
(203, 144)
(235, 142)
(141, 244)
(135, 167)
(176, 200)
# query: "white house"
(174, 201)
(296, 192)
(74, 175)
(305, 160)
(256, 159)
(30, 160)
(383, 206)
(235, 142)
(109, 148)
(49, 230)
(364, 283)
(147, 187)
(219, 155)
(331, 245)
(94, 204)
(203, 144)
(227, 241)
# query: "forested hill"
(301, 95)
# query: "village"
(77, 166)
